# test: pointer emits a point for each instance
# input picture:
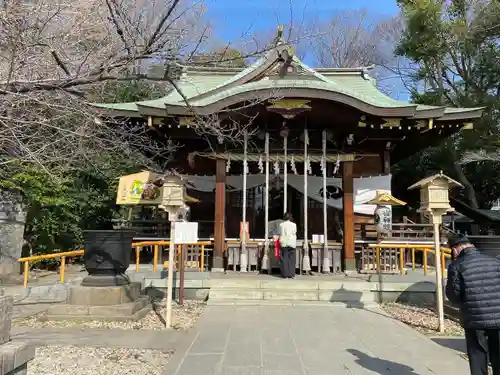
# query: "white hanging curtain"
(365, 188)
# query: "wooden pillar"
(220, 215)
(348, 204)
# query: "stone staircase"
(315, 291)
(254, 289)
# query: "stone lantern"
(173, 197)
(434, 195)
(173, 201)
(434, 203)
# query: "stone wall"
(15, 355)
(12, 221)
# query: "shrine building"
(318, 143)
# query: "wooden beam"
(348, 203)
(220, 215)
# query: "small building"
(295, 113)
(472, 221)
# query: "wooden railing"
(399, 232)
(374, 257)
(62, 256)
(379, 257)
(199, 257)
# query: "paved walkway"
(116, 338)
(273, 340)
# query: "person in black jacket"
(474, 286)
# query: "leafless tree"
(353, 39)
(54, 52)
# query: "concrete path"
(300, 340)
(116, 338)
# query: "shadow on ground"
(380, 366)
(454, 343)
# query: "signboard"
(244, 230)
(139, 188)
(318, 238)
(185, 232)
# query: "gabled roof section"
(438, 176)
(386, 199)
(279, 73)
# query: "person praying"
(288, 243)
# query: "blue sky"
(234, 21)
(232, 18)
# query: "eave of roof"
(210, 89)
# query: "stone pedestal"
(15, 355)
(109, 303)
(105, 280)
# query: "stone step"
(237, 302)
(301, 284)
(275, 294)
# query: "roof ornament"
(279, 36)
(365, 71)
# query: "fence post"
(401, 260)
(26, 271)
(202, 260)
(62, 269)
(137, 257)
(155, 257)
(425, 261)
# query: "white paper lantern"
(383, 219)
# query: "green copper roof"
(373, 97)
(209, 90)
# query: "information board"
(185, 232)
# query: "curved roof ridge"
(252, 67)
(315, 73)
(212, 69)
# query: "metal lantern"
(383, 213)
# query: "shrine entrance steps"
(235, 288)
(362, 291)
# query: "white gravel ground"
(183, 318)
(423, 319)
(71, 360)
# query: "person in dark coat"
(474, 286)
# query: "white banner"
(365, 188)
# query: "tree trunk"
(12, 222)
(469, 189)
